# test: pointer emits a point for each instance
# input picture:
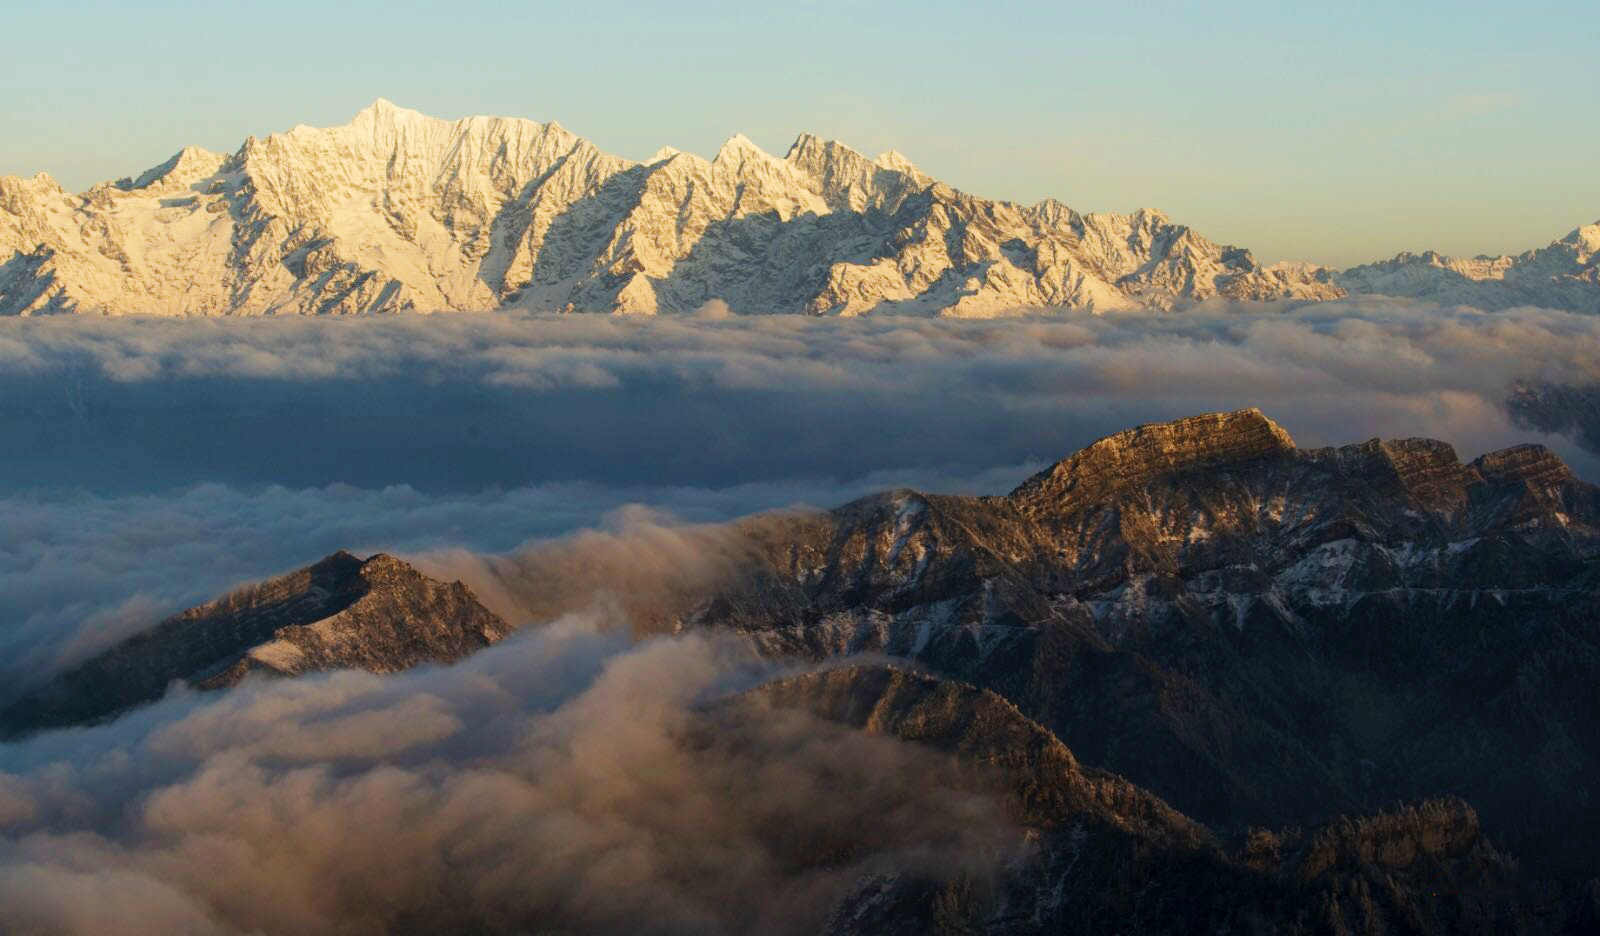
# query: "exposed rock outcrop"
(1257, 633)
(379, 615)
(1129, 460)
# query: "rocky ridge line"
(378, 614)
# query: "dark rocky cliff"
(1103, 856)
(1258, 633)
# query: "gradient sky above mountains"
(1330, 132)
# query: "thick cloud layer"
(650, 568)
(463, 402)
(562, 781)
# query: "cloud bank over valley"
(468, 402)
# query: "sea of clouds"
(464, 402)
(151, 464)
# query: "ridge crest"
(1130, 457)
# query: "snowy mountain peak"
(400, 210)
(379, 107)
(382, 110)
(188, 165)
(817, 156)
(739, 148)
(1586, 239)
(1150, 217)
(1563, 275)
(802, 143)
(19, 187)
(896, 161)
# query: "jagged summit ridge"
(1526, 462)
(398, 210)
(1563, 275)
(1256, 633)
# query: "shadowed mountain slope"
(1256, 632)
(1103, 856)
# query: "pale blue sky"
(1328, 131)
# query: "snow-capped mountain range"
(397, 210)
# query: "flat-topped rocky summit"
(1128, 459)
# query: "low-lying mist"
(567, 780)
(80, 570)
